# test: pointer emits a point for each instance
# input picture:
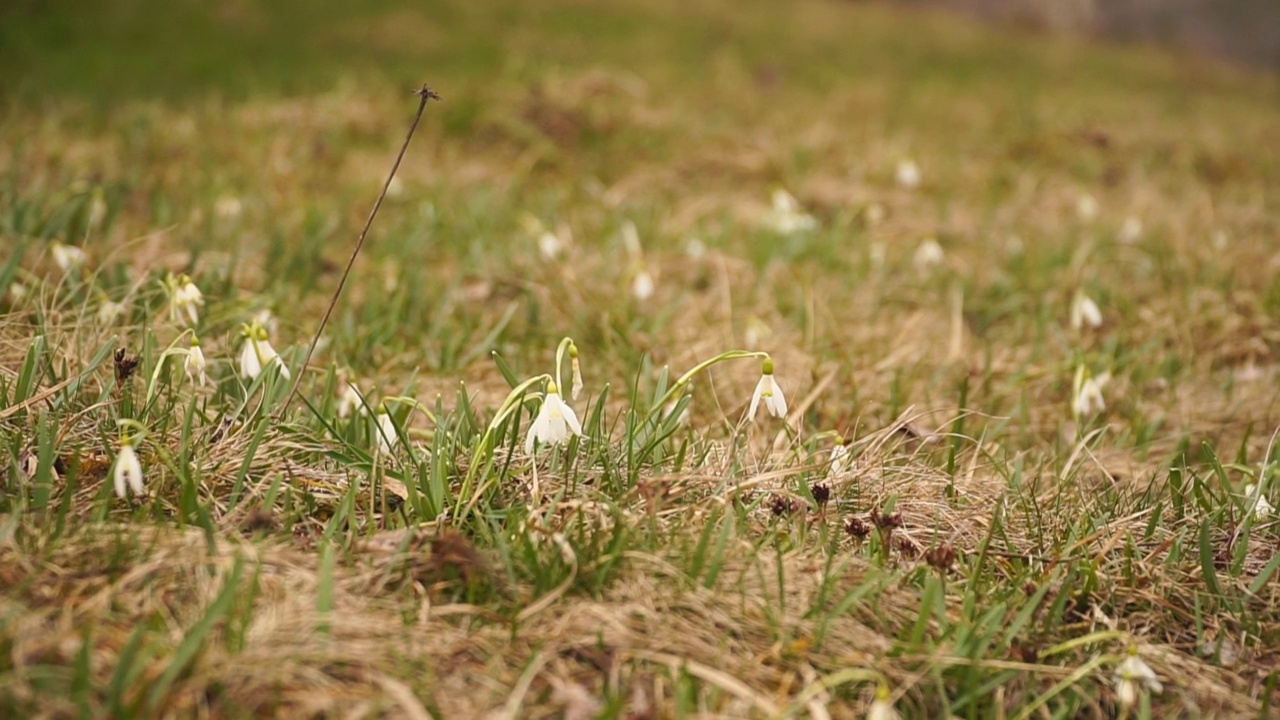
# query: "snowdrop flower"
(907, 174)
(1132, 677)
(228, 207)
(195, 363)
(695, 248)
(1086, 207)
(576, 368)
(110, 311)
(1131, 230)
(185, 299)
(1087, 399)
(127, 472)
(786, 217)
(839, 458)
(555, 421)
(768, 391)
(348, 397)
(1262, 508)
(1084, 311)
(67, 257)
(882, 707)
(928, 255)
(642, 286)
(257, 352)
(387, 437)
(17, 292)
(395, 188)
(549, 246)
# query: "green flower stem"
(679, 385)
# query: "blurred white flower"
(642, 286)
(1087, 393)
(348, 397)
(67, 257)
(1134, 677)
(929, 254)
(17, 292)
(1255, 500)
(1084, 311)
(1131, 230)
(395, 188)
(907, 174)
(549, 246)
(554, 423)
(185, 299)
(387, 437)
(768, 391)
(195, 363)
(257, 353)
(786, 217)
(127, 471)
(228, 207)
(694, 248)
(882, 707)
(576, 368)
(1086, 207)
(839, 458)
(110, 311)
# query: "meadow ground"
(993, 543)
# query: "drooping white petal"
(907, 174)
(767, 390)
(250, 366)
(195, 365)
(127, 472)
(554, 423)
(387, 437)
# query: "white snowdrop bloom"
(1084, 311)
(1255, 500)
(257, 352)
(1131, 230)
(97, 210)
(1134, 677)
(185, 300)
(1087, 400)
(876, 255)
(228, 207)
(395, 188)
(109, 312)
(839, 458)
(266, 319)
(127, 472)
(549, 246)
(576, 368)
(195, 364)
(882, 707)
(348, 397)
(631, 239)
(67, 257)
(768, 391)
(1086, 207)
(17, 292)
(695, 248)
(642, 285)
(907, 174)
(786, 217)
(929, 254)
(554, 423)
(387, 437)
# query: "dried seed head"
(781, 505)
(908, 547)
(125, 365)
(886, 522)
(821, 493)
(857, 529)
(941, 557)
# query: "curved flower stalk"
(678, 387)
